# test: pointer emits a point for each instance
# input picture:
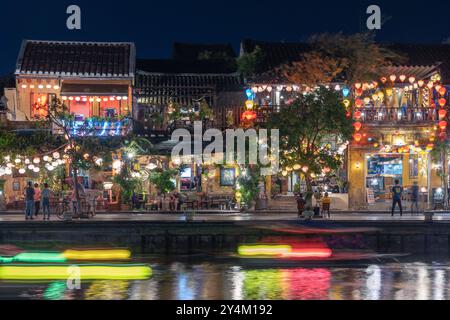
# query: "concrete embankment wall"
(186, 238)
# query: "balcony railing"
(101, 127)
(377, 115)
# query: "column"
(357, 180)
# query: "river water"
(205, 279)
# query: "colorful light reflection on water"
(200, 280)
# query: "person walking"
(397, 192)
(415, 197)
(45, 196)
(29, 201)
(37, 199)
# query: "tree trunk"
(76, 189)
(309, 191)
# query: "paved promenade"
(234, 217)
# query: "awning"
(75, 89)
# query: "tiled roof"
(171, 66)
(194, 51)
(418, 55)
(76, 59)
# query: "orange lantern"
(412, 80)
(421, 83)
(359, 92)
(443, 125)
(438, 87)
(442, 91)
(357, 137)
(358, 103)
(442, 113)
(249, 116)
(430, 85)
(402, 78)
(358, 115)
(393, 77)
(357, 126)
(383, 79)
(442, 102)
(358, 85)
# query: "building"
(398, 120)
(94, 80)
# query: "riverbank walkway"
(231, 217)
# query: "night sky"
(154, 25)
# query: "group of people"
(324, 210)
(397, 194)
(35, 198)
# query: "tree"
(162, 179)
(251, 63)
(83, 149)
(312, 128)
(340, 58)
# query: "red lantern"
(248, 116)
(358, 115)
(442, 114)
(442, 91)
(443, 125)
(442, 102)
(358, 85)
(358, 103)
(383, 79)
(348, 114)
(359, 92)
(357, 126)
(357, 137)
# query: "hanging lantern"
(389, 92)
(358, 115)
(374, 84)
(421, 83)
(346, 103)
(383, 80)
(345, 92)
(430, 147)
(442, 113)
(255, 89)
(305, 169)
(443, 125)
(430, 85)
(359, 92)
(393, 77)
(269, 89)
(365, 86)
(374, 97)
(248, 116)
(358, 103)
(297, 167)
(412, 80)
(381, 95)
(366, 100)
(442, 91)
(402, 78)
(357, 126)
(357, 137)
(438, 87)
(249, 104)
(358, 86)
(442, 102)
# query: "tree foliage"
(311, 129)
(340, 58)
(251, 63)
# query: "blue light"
(105, 125)
(118, 124)
(345, 92)
(250, 94)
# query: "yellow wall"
(357, 179)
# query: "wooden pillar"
(269, 189)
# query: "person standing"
(29, 201)
(397, 192)
(45, 196)
(415, 198)
(37, 199)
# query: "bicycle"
(67, 206)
